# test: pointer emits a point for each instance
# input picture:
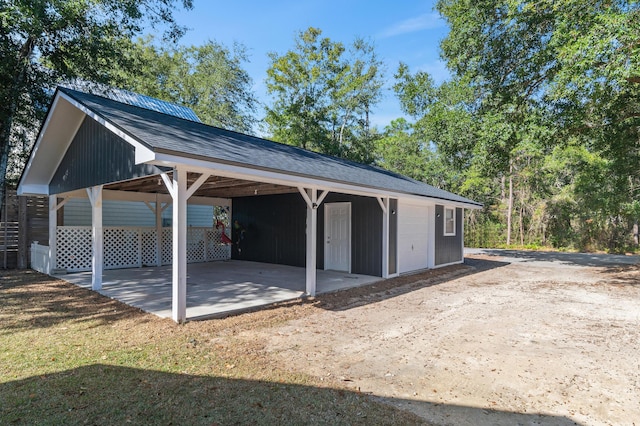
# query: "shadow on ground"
(47, 302)
(394, 287)
(113, 395)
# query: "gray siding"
(447, 249)
(274, 228)
(96, 156)
(366, 233)
(393, 236)
(275, 231)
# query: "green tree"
(45, 42)
(562, 72)
(323, 95)
(210, 79)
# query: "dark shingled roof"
(168, 134)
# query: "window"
(449, 221)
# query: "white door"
(413, 234)
(337, 236)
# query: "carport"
(215, 289)
(99, 148)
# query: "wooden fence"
(23, 220)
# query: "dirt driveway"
(509, 338)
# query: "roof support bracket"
(382, 204)
(312, 204)
(197, 184)
(168, 183)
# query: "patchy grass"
(71, 356)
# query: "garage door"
(413, 232)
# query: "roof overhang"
(238, 171)
(56, 134)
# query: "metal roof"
(136, 99)
(170, 134)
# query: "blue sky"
(405, 30)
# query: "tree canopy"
(541, 117)
(45, 42)
(210, 79)
(324, 94)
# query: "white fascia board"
(143, 154)
(33, 189)
(22, 188)
(266, 176)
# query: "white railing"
(40, 258)
(132, 247)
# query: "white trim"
(457, 262)
(197, 184)
(444, 221)
(168, 184)
(431, 241)
(311, 197)
(304, 194)
(385, 236)
(179, 263)
(321, 197)
(462, 236)
(53, 226)
(382, 203)
(33, 189)
(97, 237)
(109, 194)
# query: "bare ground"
(508, 338)
(497, 341)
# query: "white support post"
(431, 236)
(179, 276)
(384, 203)
(312, 239)
(158, 214)
(95, 197)
(461, 236)
(53, 226)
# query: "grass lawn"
(72, 356)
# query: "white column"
(461, 236)
(158, 212)
(431, 242)
(179, 277)
(53, 225)
(95, 197)
(312, 240)
(385, 237)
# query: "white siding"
(413, 237)
(77, 212)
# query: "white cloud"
(426, 21)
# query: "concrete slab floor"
(215, 288)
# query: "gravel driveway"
(510, 338)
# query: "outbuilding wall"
(275, 231)
(448, 249)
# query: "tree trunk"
(9, 109)
(510, 205)
(635, 233)
(521, 227)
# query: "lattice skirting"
(128, 247)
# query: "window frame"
(453, 220)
